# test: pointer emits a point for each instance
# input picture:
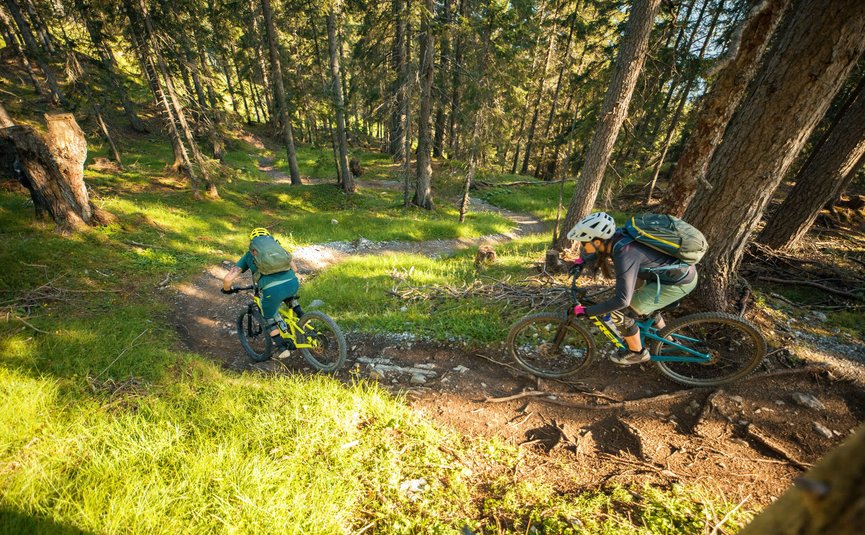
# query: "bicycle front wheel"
(734, 346)
(549, 345)
(253, 335)
(329, 349)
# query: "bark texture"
(53, 171)
(423, 192)
(629, 63)
(338, 103)
(821, 177)
(279, 89)
(793, 88)
(720, 102)
(828, 500)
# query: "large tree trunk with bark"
(804, 69)
(718, 105)
(629, 63)
(338, 103)
(423, 192)
(279, 86)
(834, 160)
(53, 170)
(828, 500)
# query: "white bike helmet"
(599, 225)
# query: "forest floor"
(745, 442)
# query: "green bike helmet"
(260, 231)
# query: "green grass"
(107, 425)
(369, 280)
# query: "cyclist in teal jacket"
(273, 288)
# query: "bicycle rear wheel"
(253, 335)
(549, 345)
(329, 352)
(734, 345)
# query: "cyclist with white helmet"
(273, 271)
(665, 279)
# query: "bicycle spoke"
(547, 346)
(733, 348)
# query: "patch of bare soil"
(612, 425)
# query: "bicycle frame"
(293, 328)
(646, 329)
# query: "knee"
(626, 324)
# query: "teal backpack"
(667, 234)
(269, 256)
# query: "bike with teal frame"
(703, 349)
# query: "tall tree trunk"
(629, 62)
(338, 104)
(409, 77)
(477, 126)
(423, 192)
(540, 165)
(94, 28)
(717, 106)
(176, 106)
(683, 98)
(398, 59)
(53, 169)
(11, 40)
(148, 70)
(39, 27)
(282, 102)
(259, 57)
(536, 107)
(223, 60)
(456, 87)
(833, 161)
(829, 499)
(441, 80)
(657, 114)
(35, 51)
(804, 69)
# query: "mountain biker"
(274, 288)
(633, 262)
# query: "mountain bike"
(315, 334)
(703, 349)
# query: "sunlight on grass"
(108, 425)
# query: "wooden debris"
(771, 444)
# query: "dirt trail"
(744, 442)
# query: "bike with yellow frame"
(315, 334)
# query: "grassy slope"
(106, 426)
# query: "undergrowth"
(107, 425)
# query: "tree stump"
(485, 256)
(355, 167)
(553, 262)
(52, 169)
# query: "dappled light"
(452, 361)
